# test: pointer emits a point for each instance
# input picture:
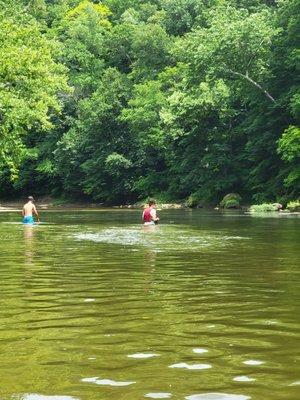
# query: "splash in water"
(164, 238)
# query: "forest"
(119, 100)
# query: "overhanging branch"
(247, 77)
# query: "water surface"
(95, 307)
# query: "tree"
(231, 48)
(289, 148)
(32, 82)
(145, 124)
(94, 156)
(181, 16)
(181, 97)
(82, 31)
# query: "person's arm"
(153, 215)
(23, 212)
(36, 213)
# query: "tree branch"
(247, 77)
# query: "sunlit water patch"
(296, 383)
(184, 365)
(243, 378)
(163, 238)
(158, 395)
(217, 396)
(107, 382)
(253, 362)
(200, 351)
(142, 355)
(35, 396)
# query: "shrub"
(231, 200)
(231, 204)
(193, 201)
(265, 207)
(293, 205)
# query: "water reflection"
(142, 355)
(29, 232)
(159, 395)
(43, 397)
(217, 396)
(243, 378)
(117, 312)
(297, 383)
(107, 382)
(190, 366)
(253, 362)
(150, 263)
(200, 351)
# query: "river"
(204, 306)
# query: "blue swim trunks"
(28, 220)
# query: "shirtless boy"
(28, 211)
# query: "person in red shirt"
(149, 216)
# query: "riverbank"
(49, 203)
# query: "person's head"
(30, 198)
(152, 203)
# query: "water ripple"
(142, 355)
(217, 396)
(253, 362)
(162, 239)
(35, 396)
(200, 351)
(107, 382)
(190, 366)
(243, 378)
(158, 395)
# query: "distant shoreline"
(16, 206)
(53, 204)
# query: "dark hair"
(151, 202)
(30, 198)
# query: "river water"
(203, 307)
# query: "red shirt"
(147, 215)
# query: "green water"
(94, 307)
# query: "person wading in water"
(28, 211)
(149, 216)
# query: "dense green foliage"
(123, 99)
(231, 200)
(294, 206)
(265, 207)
